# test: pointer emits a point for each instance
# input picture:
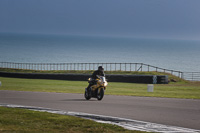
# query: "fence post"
(67, 66)
(192, 76)
(135, 66)
(74, 66)
(182, 75)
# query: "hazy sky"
(137, 18)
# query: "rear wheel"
(100, 94)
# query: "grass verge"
(22, 120)
(187, 90)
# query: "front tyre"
(100, 94)
(87, 95)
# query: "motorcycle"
(96, 90)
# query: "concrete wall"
(148, 79)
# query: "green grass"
(21, 120)
(188, 90)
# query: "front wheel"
(87, 95)
(100, 94)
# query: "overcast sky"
(135, 18)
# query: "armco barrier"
(148, 79)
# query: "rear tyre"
(101, 94)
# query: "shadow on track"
(78, 100)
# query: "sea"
(180, 55)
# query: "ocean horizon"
(180, 55)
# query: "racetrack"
(168, 111)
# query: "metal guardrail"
(192, 76)
(93, 66)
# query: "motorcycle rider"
(99, 72)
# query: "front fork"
(99, 89)
(87, 90)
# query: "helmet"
(100, 68)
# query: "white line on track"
(126, 123)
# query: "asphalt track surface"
(168, 111)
